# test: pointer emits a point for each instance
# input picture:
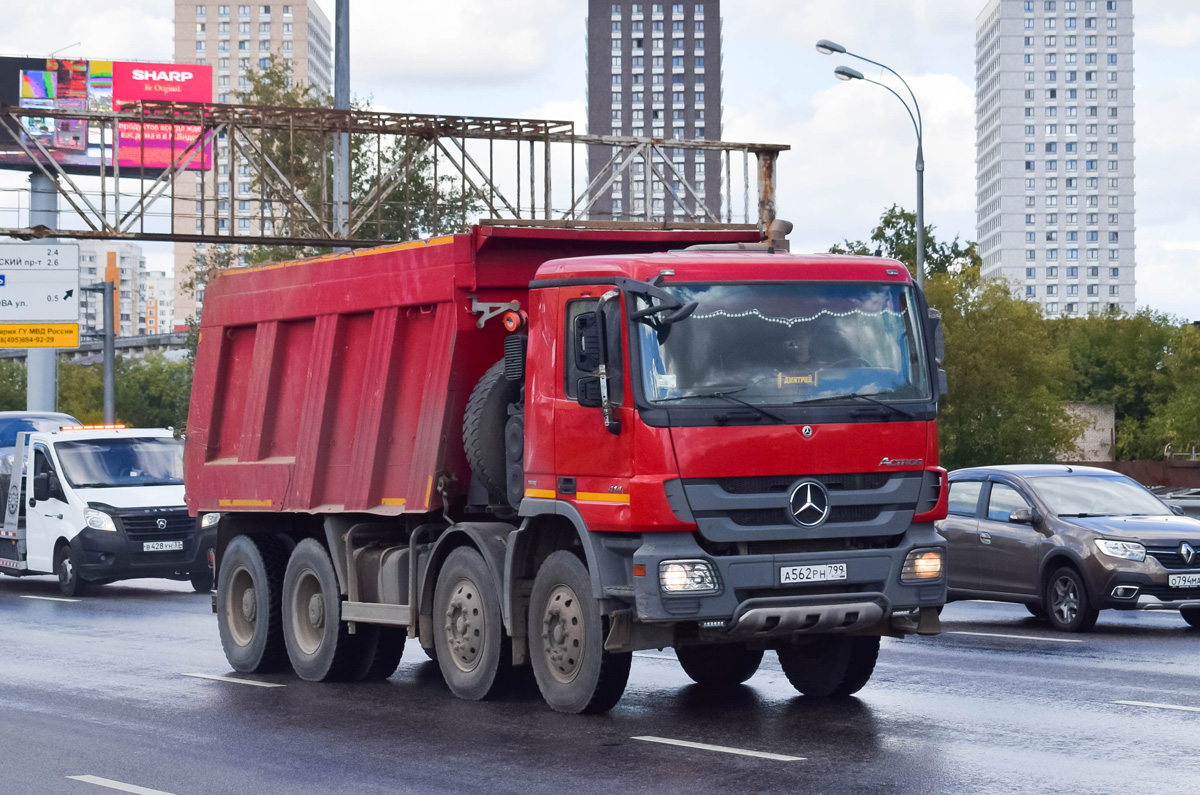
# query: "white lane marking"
(118, 785)
(235, 681)
(1157, 706)
(49, 598)
(1015, 637)
(721, 749)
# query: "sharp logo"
(901, 462)
(169, 76)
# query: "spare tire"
(483, 428)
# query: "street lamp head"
(846, 73)
(827, 47)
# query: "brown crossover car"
(1067, 542)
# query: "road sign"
(39, 294)
(34, 335)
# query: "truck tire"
(471, 649)
(483, 429)
(249, 603)
(319, 643)
(66, 566)
(380, 651)
(566, 640)
(830, 665)
(719, 665)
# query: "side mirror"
(1175, 509)
(937, 335)
(588, 351)
(41, 487)
(587, 392)
(1021, 516)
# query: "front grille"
(144, 523)
(760, 517)
(800, 546)
(777, 484)
(1171, 559)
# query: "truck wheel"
(202, 582)
(830, 665)
(248, 604)
(483, 429)
(380, 651)
(468, 634)
(1068, 603)
(319, 643)
(719, 665)
(66, 566)
(566, 640)
(1191, 615)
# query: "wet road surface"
(94, 699)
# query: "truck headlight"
(687, 576)
(98, 520)
(1127, 550)
(922, 564)
(209, 519)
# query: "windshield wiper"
(859, 396)
(728, 398)
(1085, 515)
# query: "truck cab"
(94, 504)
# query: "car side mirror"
(588, 353)
(587, 392)
(1021, 516)
(41, 487)
(1175, 509)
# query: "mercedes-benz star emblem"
(162, 524)
(807, 431)
(809, 503)
(1187, 552)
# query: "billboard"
(34, 84)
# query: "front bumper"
(752, 602)
(1143, 585)
(112, 555)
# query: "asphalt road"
(94, 698)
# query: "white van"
(94, 504)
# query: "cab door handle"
(985, 538)
(52, 515)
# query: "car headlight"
(209, 519)
(98, 520)
(1126, 550)
(687, 576)
(921, 564)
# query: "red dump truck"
(555, 446)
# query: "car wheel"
(1191, 615)
(66, 566)
(1068, 604)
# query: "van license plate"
(1184, 580)
(826, 573)
(161, 546)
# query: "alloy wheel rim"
(563, 634)
(1066, 600)
(464, 626)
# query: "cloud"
(140, 31)
(1173, 31)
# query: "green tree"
(12, 385)
(153, 392)
(1006, 401)
(896, 237)
(81, 390)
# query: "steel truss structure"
(239, 144)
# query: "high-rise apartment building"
(236, 40)
(654, 70)
(1054, 151)
(124, 265)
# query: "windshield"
(111, 463)
(778, 344)
(1097, 496)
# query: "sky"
(853, 146)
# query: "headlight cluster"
(1126, 550)
(921, 564)
(209, 519)
(98, 520)
(688, 576)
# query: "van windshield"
(784, 343)
(113, 463)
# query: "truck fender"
(488, 538)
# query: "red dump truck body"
(338, 383)
(554, 447)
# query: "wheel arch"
(489, 539)
(1058, 558)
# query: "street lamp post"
(826, 47)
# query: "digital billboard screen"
(34, 84)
